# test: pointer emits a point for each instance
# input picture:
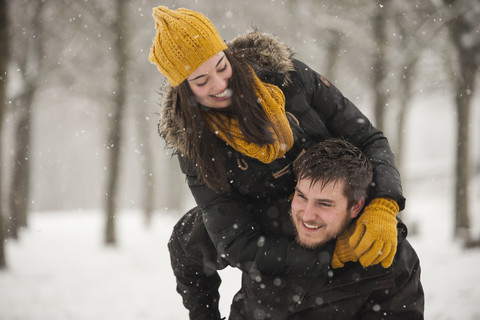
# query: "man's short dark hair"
(333, 160)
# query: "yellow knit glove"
(343, 251)
(375, 236)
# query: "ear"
(357, 207)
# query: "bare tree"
(406, 24)
(148, 183)
(416, 29)
(115, 128)
(4, 56)
(334, 48)
(463, 26)
(31, 63)
(380, 64)
(145, 116)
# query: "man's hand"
(375, 236)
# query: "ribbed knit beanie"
(185, 39)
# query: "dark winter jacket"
(244, 224)
(352, 292)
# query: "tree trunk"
(334, 49)
(462, 168)
(175, 194)
(459, 28)
(405, 94)
(32, 69)
(115, 128)
(379, 68)
(147, 172)
(149, 194)
(4, 55)
(19, 186)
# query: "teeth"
(226, 93)
(309, 226)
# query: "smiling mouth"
(310, 226)
(227, 93)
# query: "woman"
(238, 116)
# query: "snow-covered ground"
(60, 270)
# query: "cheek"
(198, 92)
(229, 73)
(339, 221)
(297, 205)
(334, 217)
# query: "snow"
(59, 269)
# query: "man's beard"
(345, 224)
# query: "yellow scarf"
(273, 102)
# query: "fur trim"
(168, 125)
(262, 50)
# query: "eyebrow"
(203, 75)
(316, 199)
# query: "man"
(332, 182)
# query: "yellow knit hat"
(185, 39)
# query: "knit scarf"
(272, 100)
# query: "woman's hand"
(375, 236)
(372, 238)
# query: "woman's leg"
(195, 262)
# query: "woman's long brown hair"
(202, 147)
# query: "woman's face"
(209, 83)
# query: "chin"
(220, 104)
(309, 243)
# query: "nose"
(309, 212)
(219, 83)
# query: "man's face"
(321, 214)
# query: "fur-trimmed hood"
(262, 50)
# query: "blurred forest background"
(79, 99)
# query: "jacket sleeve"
(239, 238)
(343, 119)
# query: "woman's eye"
(201, 84)
(223, 69)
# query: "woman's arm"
(375, 237)
(240, 238)
(343, 119)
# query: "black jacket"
(245, 224)
(352, 292)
